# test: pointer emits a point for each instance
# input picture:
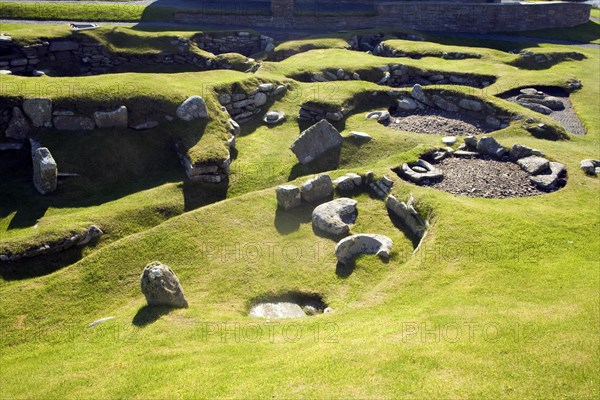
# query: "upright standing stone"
(45, 172)
(315, 141)
(161, 286)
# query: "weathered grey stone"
(408, 215)
(317, 188)
(277, 310)
(350, 247)
(334, 116)
(519, 151)
(416, 177)
(589, 166)
(361, 136)
(18, 127)
(381, 116)
(161, 287)
(417, 93)
(73, 123)
(288, 196)
(315, 141)
(444, 104)
(471, 142)
(112, 119)
(224, 98)
(192, 108)
(471, 105)
(348, 182)
(99, 321)
(406, 104)
(281, 89)
(39, 111)
(493, 122)
(465, 154)
(45, 171)
(449, 140)
(533, 165)
(536, 107)
(260, 99)
(265, 87)
(90, 234)
(335, 217)
(274, 117)
(553, 103)
(487, 145)
(550, 178)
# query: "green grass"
(517, 279)
(86, 12)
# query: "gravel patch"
(482, 177)
(438, 122)
(567, 117)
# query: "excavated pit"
(288, 305)
(566, 117)
(438, 122)
(481, 176)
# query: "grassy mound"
(498, 294)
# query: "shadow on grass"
(149, 314)
(41, 265)
(290, 221)
(328, 161)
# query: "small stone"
(288, 196)
(489, 146)
(274, 117)
(317, 188)
(449, 140)
(192, 108)
(533, 165)
(361, 136)
(112, 119)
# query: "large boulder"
(39, 111)
(161, 287)
(317, 188)
(112, 119)
(335, 217)
(350, 247)
(315, 141)
(408, 215)
(288, 196)
(45, 171)
(471, 105)
(18, 127)
(192, 108)
(487, 145)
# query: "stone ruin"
(535, 173)
(71, 57)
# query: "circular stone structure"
(485, 177)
